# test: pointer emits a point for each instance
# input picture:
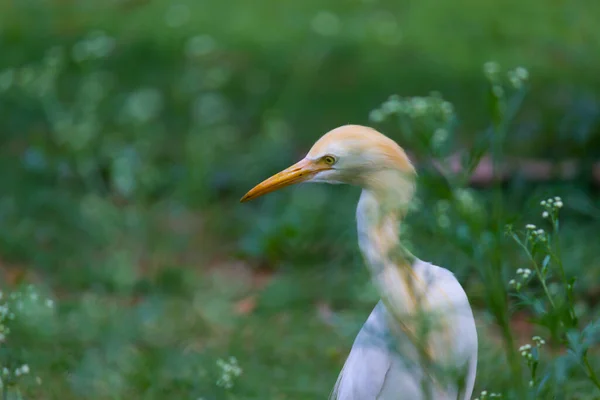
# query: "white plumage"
(384, 363)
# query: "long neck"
(383, 204)
(379, 234)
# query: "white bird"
(420, 341)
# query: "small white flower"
(538, 340)
(527, 271)
(543, 203)
(519, 271)
(49, 303)
(419, 106)
(522, 73)
(377, 115)
(531, 383)
(514, 80)
(558, 204)
(439, 137)
(447, 109)
(25, 369)
(545, 214)
(491, 69)
(530, 226)
(540, 231)
(557, 198)
(512, 282)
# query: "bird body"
(385, 364)
(420, 341)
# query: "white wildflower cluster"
(488, 395)
(493, 73)
(432, 106)
(539, 342)
(526, 272)
(526, 349)
(95, 45)
(5, 315)
(536, 234)
(22, 370)
(8, 375)
(517, 77)
(551, 207)
(229, 371)
(14, 303)
(531, 355)
(523, 275)
(491, 70)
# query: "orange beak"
(299, 172)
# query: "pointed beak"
(299, 172)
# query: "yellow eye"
(329, 160)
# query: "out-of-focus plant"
(477, 227)
(21, 311)
(230, 370)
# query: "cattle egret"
(420, 340)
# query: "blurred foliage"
(131, 128)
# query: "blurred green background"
(129, 129)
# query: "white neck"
(378, 217)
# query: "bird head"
(350, 154)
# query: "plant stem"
(590, 371)
(538, 272)
(561, 268)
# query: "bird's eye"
(329, 160)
